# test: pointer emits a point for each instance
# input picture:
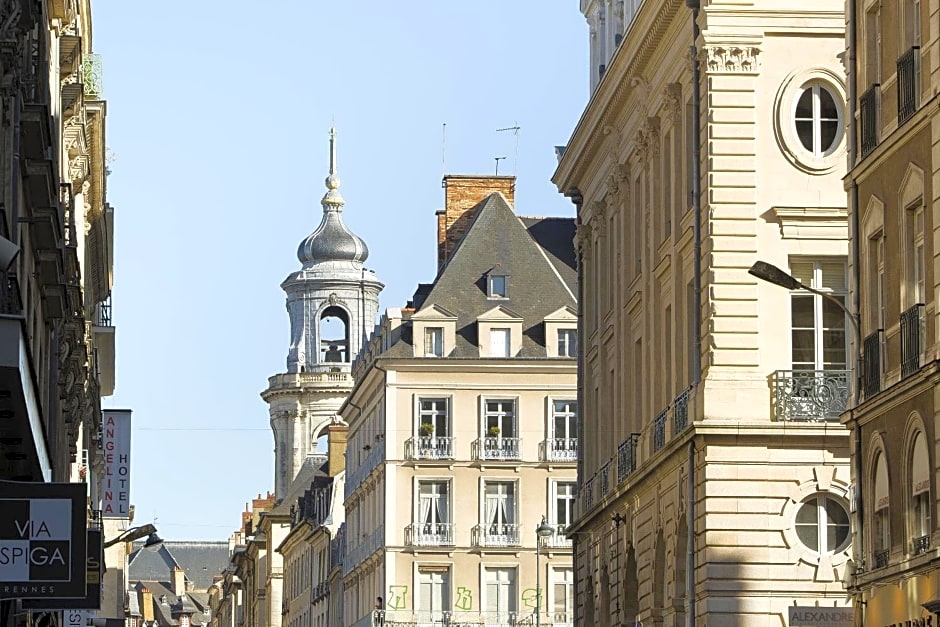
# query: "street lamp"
(772, 274)
(544, 530)
(136, 533)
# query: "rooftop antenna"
(498, 159)
(443, 147)
(515, 128)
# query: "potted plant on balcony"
(493, 431)
(426, 430)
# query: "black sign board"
(94, 570)
(42, 540)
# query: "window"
(433, 508)
(499, 509)
(499, 342)
(434, 342)
(818, 119)
(876, 287)
(500, 594)
(567, 342)
(500, 419)
(881, 530)
(432, 418)
(562, 595)
(920, 494)
(817, 324)
(822, 524)
(910, 23)
(563, 436)
(916, 273)
(563, 509)
(433, 595)
(497, 286)
(873, 44)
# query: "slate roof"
(201, 561)
(537, 254)
(312, 467)
(162, 611)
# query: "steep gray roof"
(311, 468)
(537, 254)
(201, 561)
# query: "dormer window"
(499, 342)
(567, 342)
(434, 342)
(497, 286)
(499, 333)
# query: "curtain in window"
(425, 509)
(490, 506)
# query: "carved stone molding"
(647, 141)
(641, 92)
(731, 59)
(583, 238)
(672, 102)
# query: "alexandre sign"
(803, 616)
(42, 540)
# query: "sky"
(218, 125)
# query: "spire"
(332, 200)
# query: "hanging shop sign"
(116, 441)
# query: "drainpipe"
(696, 301)
(578, 199)
(852, 86)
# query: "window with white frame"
(817, 118)
(499, 342)
(818, 334)
(567, 342)
(433, 417)
(434, 342)
(563, 493)
(822, 524)
(915, 292)
(500, 594)
(920, 494)
(562, 602)
(563, 434)
(433, 594)
(433, 515)
(499, 508)
(881, 516)
(497, 286)
(499, 419)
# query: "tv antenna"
(515, 128)
(498, 159)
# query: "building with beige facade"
(893, 211)
(463, 428)
(714, 481)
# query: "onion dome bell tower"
(332, 302)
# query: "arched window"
(682, 553)
(631, 588)
(920, 495)
(588, 609)
(334, 335)
(881, 517)
(659, 574)
(604, 601)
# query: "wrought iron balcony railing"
(429, 447)
(659, 431)
(626, 457)
(871, 363)
(912, 339)
(498, 448)
(868, 118)
(496, 535)
(92, 75)
(560, 450)
(810, 395)
(908, 84)
(586, 494)
(881, 558)
(604, 479)
(680, 412)
(101, 316)
(921, 545)
(429, 534)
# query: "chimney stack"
(146, 611)
(462, 195)
(179, 581)
(336, 438)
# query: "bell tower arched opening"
(334, 335)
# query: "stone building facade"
(714, 480)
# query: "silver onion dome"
(332, 241)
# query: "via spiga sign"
(116, 441)
(42, 540)
(808, 616)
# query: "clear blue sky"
(218, 122)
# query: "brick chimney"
(146, 610)
(462, 195)
(179, 581)
(336, 438)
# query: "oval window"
(822, 524)
(818, 119)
